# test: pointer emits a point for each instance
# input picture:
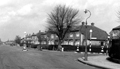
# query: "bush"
(66, 47)
(52, 47)
(69, 48)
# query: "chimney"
(83, 23)
(39, 30)
(92, 24)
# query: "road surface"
(15, 58)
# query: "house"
(76, 37)
(30, 39)
(42, 37)
(34, 39)
(95, 36)
(10, 42)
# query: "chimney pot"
(83, 23)
(92, 24)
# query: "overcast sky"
(19, 16)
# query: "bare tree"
(39, 36)
(61, 20)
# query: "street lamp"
(85, 55)
(86, 11)
(25, 34)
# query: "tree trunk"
(59, 45)
(39, 46)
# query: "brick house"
(77, 36)
(30, 39)
(95, 35)
(42, 37)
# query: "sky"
(30, 16)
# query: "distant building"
(30, 39)
(10, 42)
(34, 39)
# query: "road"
(15, 58)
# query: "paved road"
(15, 58)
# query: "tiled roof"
(96, 32)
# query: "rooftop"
(97, 33)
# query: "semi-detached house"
(95, 36)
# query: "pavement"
(100, 61)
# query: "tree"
(18, 39)
(61, 20)
(39, 36)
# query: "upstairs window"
(52, 36)
(77, 34)
(71, 35)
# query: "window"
(115, 34)
(45, 36)
(77, 43)
(65, 42)
(70, 42)
(77, 34)
(49, 42)
(56, 36)
(71, 35)
(52, 36)
(52, 42)
(44, 42)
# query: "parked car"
(114, 46)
